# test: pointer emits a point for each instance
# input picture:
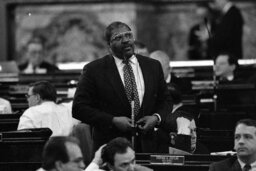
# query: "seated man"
(179, 129)
(62, 153)
(35, 59)
(225, 66)
(116, 155)
(245, 147)
(183, 84)
(44, 112)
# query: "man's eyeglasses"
(118, 37)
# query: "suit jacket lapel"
(147, 75)
(236, 166)
(115, 80)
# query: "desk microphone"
(214, 67)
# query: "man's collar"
(168, 79)
(119, 61)
(242, 164)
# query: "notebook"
(8, 67)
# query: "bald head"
(164, 59)
(220, 3)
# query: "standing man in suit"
(245, 146)
(228, 33)
(103, 97)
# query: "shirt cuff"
(158, 118)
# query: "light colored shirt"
(93, 167)
(137, 74)
(30, 70)
(242, 164)
(5, 106)
(47, 115)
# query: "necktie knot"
(126, 61)
(247, 167)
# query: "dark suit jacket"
(44, 65)
(100, 96)
(228, 34)
(230, 164)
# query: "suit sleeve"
(212, 167)
(164, 100)
(85, 106)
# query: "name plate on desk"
(167, 159)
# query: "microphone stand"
(214, 90)
(214, 67)
(132, 105)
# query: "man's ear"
(58, 165)
(38, 98)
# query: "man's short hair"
(55, 150)
(118, 145)
(232, 60)
(45, 89)
(111, 27)
(36, 40)
(247, 122)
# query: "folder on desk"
(8, 67)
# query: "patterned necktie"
(247, 167)
(130, 86)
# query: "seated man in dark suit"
(245, 146)
(179, 130)
(35, 63)
(225, 67)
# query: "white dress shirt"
(137, 74)
(50, 115)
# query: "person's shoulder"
(98, 62)
(148, 61)
(4, 101)
(234, 10)
(49, 66)
(23, 66)
(141, 168)
(225, 164)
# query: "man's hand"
(147, 122)
(122, 123)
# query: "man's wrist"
(158, 118)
